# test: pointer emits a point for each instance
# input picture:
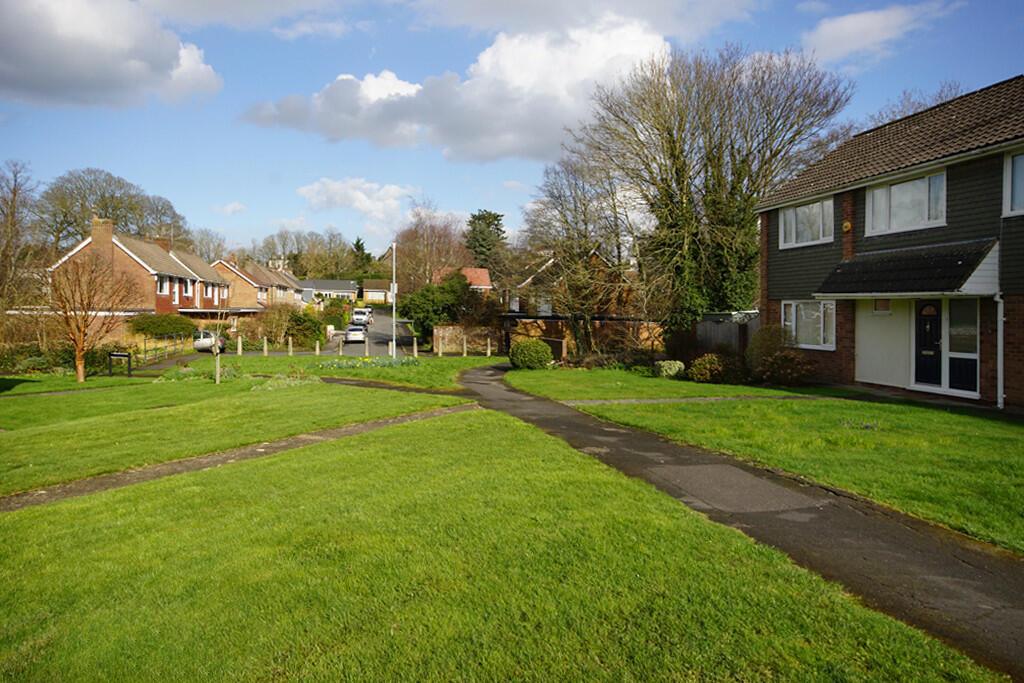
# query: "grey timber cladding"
(974, 204)
(797, 273)
(1011, 256)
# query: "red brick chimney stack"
(102, 230)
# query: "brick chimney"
(102, 231)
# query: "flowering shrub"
(530, 354)
(365, 362)
(716, 368)
(787, 368)
(670, 368)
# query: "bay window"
(811, 324)
(806, 224)
(908, 205)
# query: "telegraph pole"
(394, 304)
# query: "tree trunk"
(79, 364)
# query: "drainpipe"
(999, 351)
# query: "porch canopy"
(969, 268)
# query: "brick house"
(256, 286)
(377, 291)
(168, 279)
(479, 279)
(898, 258)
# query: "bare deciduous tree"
(913, 100)
(90, 298)
(431, 241)
(17, 239)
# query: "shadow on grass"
(8, 383)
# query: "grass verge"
(36, 411)
(568, 383)
(963, 470)
(39, 456)
(15, 385)
(424, 552)
(429, 373)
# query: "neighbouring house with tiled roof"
(479, 279)
(329, 289)
(898, 258)
(168, 278)
(257, 286)
(377, 291)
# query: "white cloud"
(312, 27)
(867, 37)
(236, 13)
(381, 204)
(95, 52)
(230, 209)
(515, 185)
(516, 99)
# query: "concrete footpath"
(967, 593)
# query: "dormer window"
(806, 224)
(908, 205)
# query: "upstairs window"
(162, 284)
(909, 205)
(806, 224)
(186, 287)
(1013, 185)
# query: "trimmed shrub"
(160, 324)
(32, 364)
(304, 329)
(763, 344)
(530, 354)
(63, 356)
(716, 368)
(670, 368)
(788, 368)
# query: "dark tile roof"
(973, 121)
(335, 285)
(198, 266)
(939, 268)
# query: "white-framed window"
(906, 205)
(1013, 184)
(261, 294)
(174, 291)
(807, 224)
(812, 324)
(207, 290)
(186, 287)
(163, 285)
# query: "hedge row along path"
(968, 593)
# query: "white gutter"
(1000, 398)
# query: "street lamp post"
(394, 304)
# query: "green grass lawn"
(124, 436)
(963, 470)
(36, 411)
(430, 373)
(471, 546)
(14, 385)
(568, 383)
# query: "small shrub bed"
(530, 354)
(787, 368)
(364, 362)
(716, 368)
(161, 324)
(674, 369)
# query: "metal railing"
(163, 346)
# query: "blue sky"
(253, 115)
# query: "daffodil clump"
(365, 362)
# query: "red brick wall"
(1013, 353)
(834, 367)
(849, 240)
(988, 349)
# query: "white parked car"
(355, 333)
(205, 340)
(362, 316)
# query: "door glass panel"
(963, 374)
(963, 325)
